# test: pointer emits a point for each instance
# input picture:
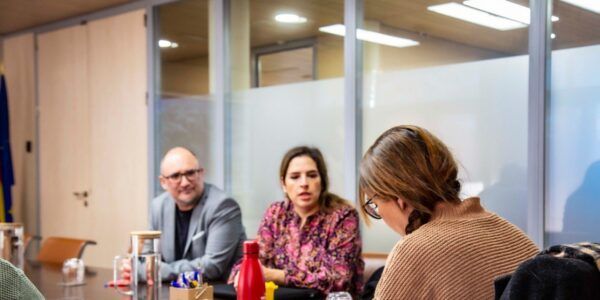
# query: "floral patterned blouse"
(324, 255)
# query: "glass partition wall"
(287, 90)
(461, 69)
(185, 109)
(462, 79)
(573, 139)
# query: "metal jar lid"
(146, 234)
(4, 226)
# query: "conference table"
(47, 279)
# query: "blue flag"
(6, 168)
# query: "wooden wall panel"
(119, 145)
(63, 132)
(19, 58)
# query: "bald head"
(175, 155)
(182, 176)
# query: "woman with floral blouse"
(311, 239)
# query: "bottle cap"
(251, 247)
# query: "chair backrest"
(373, 261)
(27, 239)
(57, 249)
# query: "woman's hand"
(235, 281)
(275, 275)
(126, 272)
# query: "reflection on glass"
(287, 66)
(464, 81)
(185, 109)
(573, 145)
(297, 99)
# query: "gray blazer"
(215, 237)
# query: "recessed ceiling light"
(167, 44)
(505, 9)
(164, 43)
(371, 36)
(591, 5)
(468, 14)
(552, 35)
(290, 18)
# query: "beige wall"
(18, 56)
(93, 133)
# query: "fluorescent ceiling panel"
(591, 5)
(371, 36)
(505, 9)
(478, 17)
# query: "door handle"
(83, 194)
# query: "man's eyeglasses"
(371, 208)
(190, 175)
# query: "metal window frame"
(539, 93)
(256, 53)
(222, 121)
(152, 100)
(353, 94)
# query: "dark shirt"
(182, 225)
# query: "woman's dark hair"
(327, 201)
(409, 162)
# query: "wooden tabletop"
(47, 278)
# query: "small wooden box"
(204, 292)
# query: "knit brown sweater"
(456, 255)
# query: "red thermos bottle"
(251, 284)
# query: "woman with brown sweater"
(451, 249)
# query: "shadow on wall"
(508, 196)
(582, 211)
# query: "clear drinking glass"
(143, 260)
(11, 243)
(339, 296)
(73, 270)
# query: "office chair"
(56, 250)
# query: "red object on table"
(120, 282)
(251, 283)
